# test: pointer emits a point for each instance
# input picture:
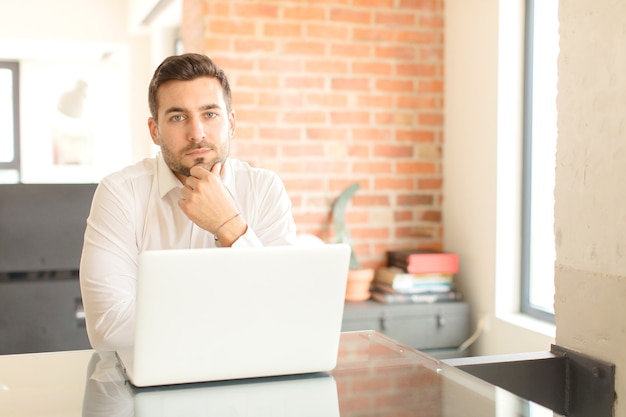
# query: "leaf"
(339, 221)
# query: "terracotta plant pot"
(359, 282)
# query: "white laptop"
(302, 395)
(233, 313)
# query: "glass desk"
(374, 376)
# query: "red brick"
(306, 82)
(431, 216)
(255, 81)
(393, 151)
(400, 119)
(430, 119)
(304, 48)
(257, 149)
(412, 200)
(403, 216)
(280, 99)
(274, 64)
(350, 84)
(326, 100)
(326, 67)
(415, 167)
(420, 37)
(429, 183)
(416, 102)
(350, 117)
(394, 85)
(351, 50)
(371, 134)
(375, 100)
(305, 117)
(282, 30)
(419, 4)
(418, 69)
(256, 10)
(374, 3)
(327, 31)
(395, 52)
(257, 115)
(372, 168)
(350, 16)
(280, 133)
(299, 149)
(246, 45)
(372, 67)
(304, 13)
(430, 86)
(328, 134)
(373, 33)
(395, 19)
(415, 136)
(304, 184)
(230, 27)
(393, 183)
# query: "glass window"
(9, 120)
(540, 134)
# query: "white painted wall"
(590, 208)
(483, 57)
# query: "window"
(540, 134)
(9, 122)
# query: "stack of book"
(417, 278)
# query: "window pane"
(542, 256)
(7, 151)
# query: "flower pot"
(359, 282)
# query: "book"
(401, 288)
(393, 275)
(421, 262)
(390, 298)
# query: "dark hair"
(186, 67)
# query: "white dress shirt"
(136, 209)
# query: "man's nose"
(196, 133)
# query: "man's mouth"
(198, 152)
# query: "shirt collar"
(165, 177)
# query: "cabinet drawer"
(422, 326)
(41, 316)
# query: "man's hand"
(207, 202)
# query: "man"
(191, 195)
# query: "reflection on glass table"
(374, 376)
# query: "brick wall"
(331, 92)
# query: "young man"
(191, 195)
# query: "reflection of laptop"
(232, 313)
(302, 396)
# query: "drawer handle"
(441, 320)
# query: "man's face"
(194, 127)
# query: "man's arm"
(108, 272)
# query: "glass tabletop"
(374, 376)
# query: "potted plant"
(359, 278)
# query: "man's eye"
(210, 115)
(177, 117)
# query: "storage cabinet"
(437, 329)
(41, 316)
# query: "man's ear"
(154, 132)
(231, 124)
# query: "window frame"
(14, 67)
(527, 138)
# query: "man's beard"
(176, 165)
